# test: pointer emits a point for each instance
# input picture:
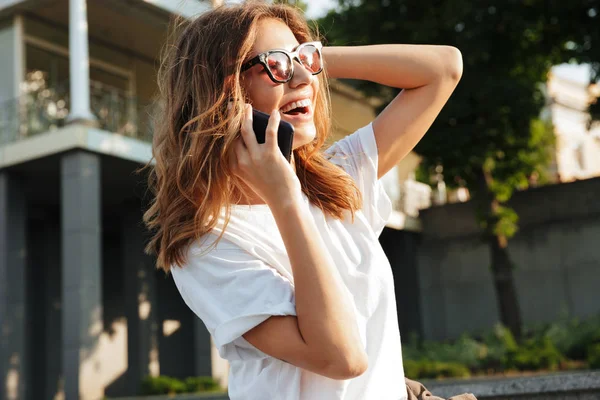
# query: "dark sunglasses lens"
(311, 58)
(280, 66)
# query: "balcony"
(44, 108)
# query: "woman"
(280, 259)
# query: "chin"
(303, 135)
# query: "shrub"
(567, 344)
(573, 337)
(202, 384)
(593, 356)
(498, 345)
(465, 351)
(162, 385)
(412, 369)
(167, 385)
(534, 354)
(429, 369)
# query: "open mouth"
(296, 107)
(297, 111)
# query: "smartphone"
(285, 134)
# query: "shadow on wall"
(162, 328)
(107, 363)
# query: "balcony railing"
(42, 109)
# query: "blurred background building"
(576, 153)
(577, 143)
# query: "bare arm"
(323, 337)
(428, 75)
(327, 340)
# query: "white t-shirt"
(248, 277)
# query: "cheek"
(265, 96)
(316, 85)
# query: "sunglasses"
(279, 64)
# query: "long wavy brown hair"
(194, 130)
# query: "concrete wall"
(11, 68)
(45, 302)
(399, 247)
(143, 327)
(554, 386)
(10, 49)
(556, 254)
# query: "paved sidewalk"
(558, 386)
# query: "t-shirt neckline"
(260, 207)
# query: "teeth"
(295, 104)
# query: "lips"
(298, 106)
(299, 115)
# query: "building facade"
(577, 140)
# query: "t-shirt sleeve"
(357, 155)
(232, 292)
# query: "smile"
(297, 107)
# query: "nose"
(302, 76)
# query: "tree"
(489, 137)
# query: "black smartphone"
(285, 134)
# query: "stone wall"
(559, 386)
(562, 386)
(556, 253)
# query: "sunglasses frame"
(293, 55)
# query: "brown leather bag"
(416, 391)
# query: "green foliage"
(573, 337)
(201, 384)
(428, 369)
(566, 344)
(498, 343)
(534, 354)
(465, 350)
(168, 385)
(502, 221)
(593, 357)
(489, 136)
(162, 385)
(492, 121)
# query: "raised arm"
(428, 75)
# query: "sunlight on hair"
(193, 117)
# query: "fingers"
(239, 157)
(248, 134)
(272, 128)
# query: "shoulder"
(206, 255)
(357, 143)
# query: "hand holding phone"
(261, 166)
(285, 133)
